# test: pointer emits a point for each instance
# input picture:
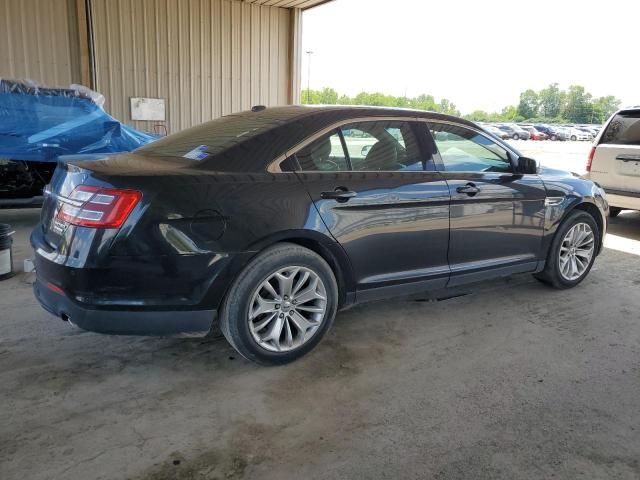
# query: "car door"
(496, 215)
(375, 187)
(616, 161)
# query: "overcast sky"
(480, 54)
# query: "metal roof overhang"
(302, 4)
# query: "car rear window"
(210, 138)
(624, 129)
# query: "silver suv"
(614, 160)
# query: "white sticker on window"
(198, 153)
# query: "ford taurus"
(267, 222)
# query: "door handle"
(340, 194)
(628, 158)
(470, 189)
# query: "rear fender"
(320, 243)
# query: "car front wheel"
(280, 306)
(572, 252)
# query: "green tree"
(478, 116)
(328, 96)
(509, 113)
(549, 105)
(578, 108)
(528, 106)
(603, 108)
(551, 101)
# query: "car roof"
(247, 141)
(292, 113)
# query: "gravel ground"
(513, 380)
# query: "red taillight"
(54, 288)
(592, 152)
(96, 207)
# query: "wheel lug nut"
(277, 306)
(282, 315)
(294, 302)
(286, 297)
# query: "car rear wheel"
(573, 138)
(516, 136)
(614, 212)
(572, 252)
(280, 306)
(553, 138)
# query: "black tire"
(573, 138)
(551, 273)
(614, 211)
(516, 136)
(553, 138)
(234, 313)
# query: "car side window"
(464, 150)
(383, 146)
(324, 154)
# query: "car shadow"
(626, 224)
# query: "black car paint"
(196, 227)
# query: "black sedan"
(267, 222)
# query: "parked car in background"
(614, 160)
(576, 134)
(268, 221)
(588, 131)
(553, 133)
(534, 134)
(496, 131)
(514, 131)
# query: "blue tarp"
(43, 123)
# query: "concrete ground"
(512, 381)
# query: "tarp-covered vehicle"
(40, 126)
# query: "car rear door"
(496, 216)
(375, 187)
(616, 160)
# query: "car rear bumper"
(623, 199)
(122, 321)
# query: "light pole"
(309, 53)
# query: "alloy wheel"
(576, 250)
(287, 309)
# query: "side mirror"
(526, 165)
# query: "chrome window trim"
(274, 166)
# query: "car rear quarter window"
(383, 146)
(324, 154)
(623, 129)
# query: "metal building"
(201, 58)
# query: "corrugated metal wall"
(206, 58)
(39, 41)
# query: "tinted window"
(382, 146)
(463, 150)
(624, 129)
(324, 154)
(210, 138)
